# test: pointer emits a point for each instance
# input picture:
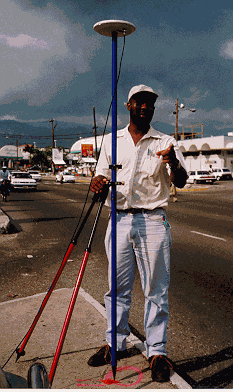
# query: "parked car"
(35, 175)
(222, 174)
(22, 180)
(200, 176)
(67, 177)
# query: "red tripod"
(36, 370)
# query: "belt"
(138, 210)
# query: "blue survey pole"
(114, 29)
(113, 202)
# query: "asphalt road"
(201, 321)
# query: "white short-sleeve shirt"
(146, 179)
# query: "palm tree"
(29, 148)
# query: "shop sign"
(87, 150)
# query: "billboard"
(87, 150)
(57, 157)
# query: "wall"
(202, 154)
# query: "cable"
(118, 77)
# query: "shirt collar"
(151, 133)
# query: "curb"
(192, 189)
(4, 222)
(8, 225)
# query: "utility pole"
(95, 135)
(52, 121)
(53, 127)
(17, 153)
(181, 107)
(176, 129)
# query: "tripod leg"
(75, 292)
(20, 350)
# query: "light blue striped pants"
(143, 239)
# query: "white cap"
(141, 88)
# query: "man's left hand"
(169, 155)
(178, 174)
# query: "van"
(222, 173)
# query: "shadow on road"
(220, 379)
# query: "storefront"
(12, 156)
(204, 153)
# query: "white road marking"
(211, 236)
(74, 201)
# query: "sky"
(54, 65)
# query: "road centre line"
(211, 236)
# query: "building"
(204, 153)
(84, 153)
(10, 154)
(199, 152)
(84, 150)
(77, 146)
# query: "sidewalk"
(85, 335)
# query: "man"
(4, 174)
(60, 174)
(150, 162)
(5, 182)
(174, 193)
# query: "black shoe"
(103, 356)
(160, 368)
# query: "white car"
(67, 177)
(222, 174)
(35, 175)
(22, 180)
(200, 176)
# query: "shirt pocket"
(151, 165)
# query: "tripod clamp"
(115, 167)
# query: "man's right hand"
(97, 183)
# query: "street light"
(181, 107)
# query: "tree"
(40, 158)
(29, 148)
(48, 151)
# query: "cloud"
(226, 50)
(42, 52)
(9, 117)
(23, 40)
